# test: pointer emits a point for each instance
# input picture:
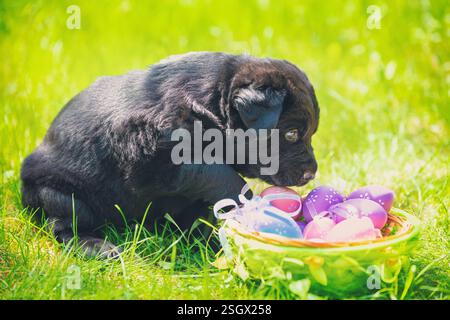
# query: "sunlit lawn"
(385, 119)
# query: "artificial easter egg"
(359, 208)
(316, 240)
(301, 225)
(379, 194)
(320, 199)
(353, 229)
(273, 222)
(290, 206)
(318, 228)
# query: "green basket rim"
(411, 219)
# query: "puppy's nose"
(308, 175)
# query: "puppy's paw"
(99, 248)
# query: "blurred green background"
(382, 84)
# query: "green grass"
(385, 119)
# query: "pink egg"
(320, 199)
(316, 240)
(379, 194)
(287, 205)
(318, 228)
(353, 229)
(359, 208)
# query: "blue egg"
(270, 221)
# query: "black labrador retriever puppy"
(111, 144)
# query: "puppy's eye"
(291, 135)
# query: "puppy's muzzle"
(308, 175)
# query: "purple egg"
(360, 208)
(380, 194)
(301, 225)
(320, 199)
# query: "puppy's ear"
(259, 108)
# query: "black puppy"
(111, 144)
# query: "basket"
(334, 269)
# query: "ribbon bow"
(253, 206)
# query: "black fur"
(110, 145)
